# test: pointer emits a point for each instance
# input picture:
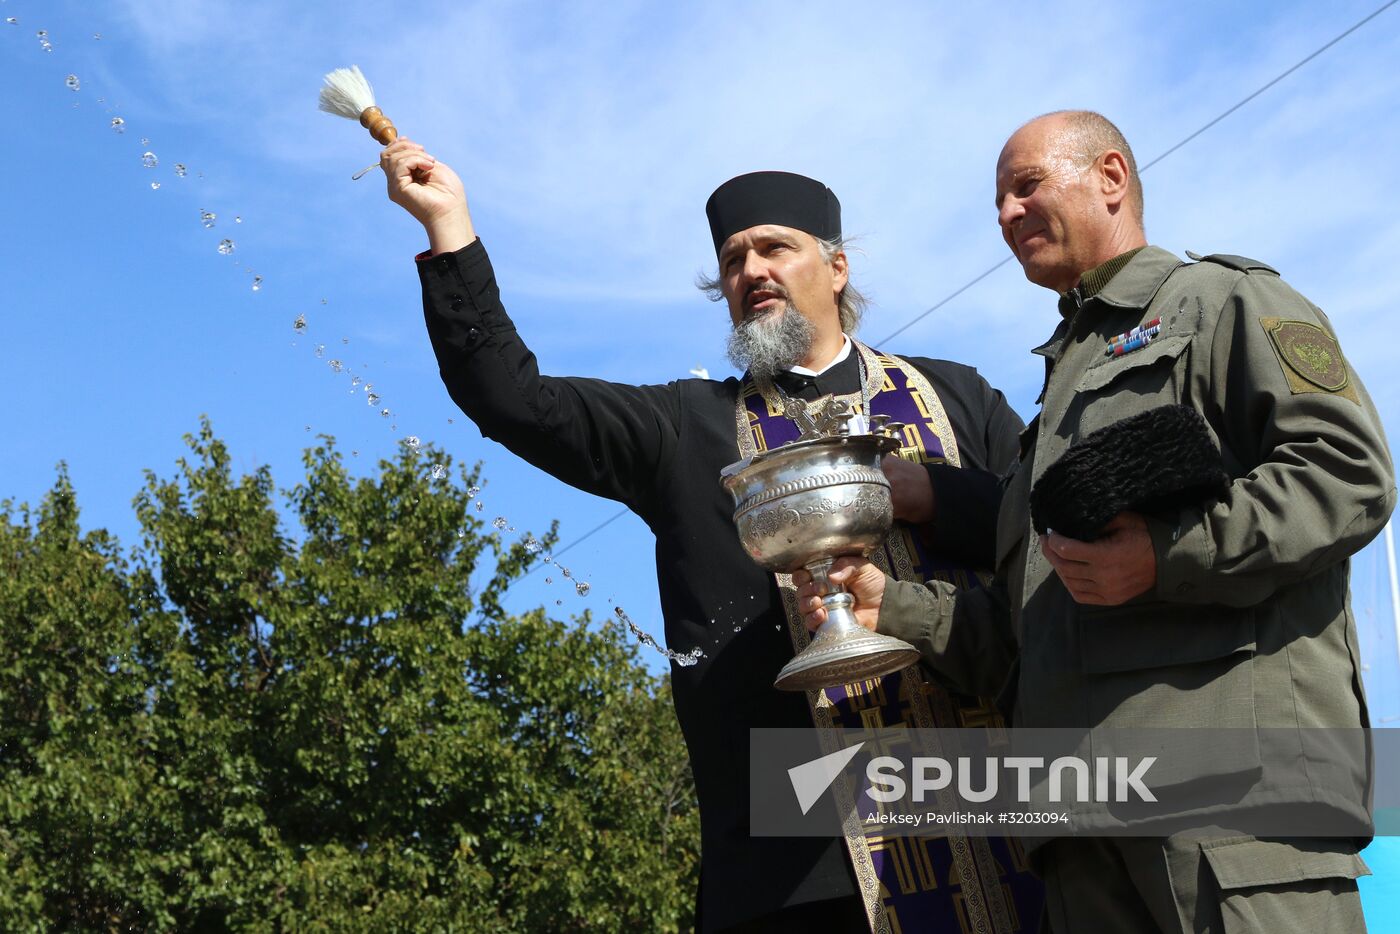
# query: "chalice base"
(842, 651)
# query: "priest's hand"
(911, 492)
(431, 192)
(862, 580)
(1110, 570)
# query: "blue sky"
(589, 136)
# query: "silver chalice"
(805, 504)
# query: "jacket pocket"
(1280, 887)
(1111, 369)
(1135, 637)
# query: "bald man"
(1232, 614)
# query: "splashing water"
(532, 545)
(257, 283)
(412, 441)
(44, 42)
(299, 325)
(583, 588)
(500, 522)
(119, 124)
(149, 160)
(473, 491)
(225, 247)
(385, 413)
(684, 659)
(439, 471)
(180, 169)
(155, 186)
(320, 350)
(335, 365)
(73, 83)
(207, 218)
(372, 399)
(480, 505)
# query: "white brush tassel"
(347, 93)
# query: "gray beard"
(770, 344)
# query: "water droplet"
(532, 544)
(119, 124)
(323, 301)
(565, 571)
(336, 365)
(449, 421)
(149, 160)
(549, 580)
(354, 381)
(180, 169)
(145, 141)
(257, 283)
(12, 21)
(320, 350)
(155, 186)
(472, 491)
(345, 340)
(558, 602)
(44, 42)
(385, 413)
(308, 427)
(354, 453)
(299, 325)
(73, 83)
(582, 588)
(372, 399)
(225, 247)
(549, 559)
(439, 471)
(207, 218)
(97, 36)
(500, 522)
(480, 505)
(412, 441)
(461, 533)
(683, 659)
(237, 219)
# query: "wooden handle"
(379, 126)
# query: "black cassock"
(659, 451)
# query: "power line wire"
(978, 278)
(1245, 100)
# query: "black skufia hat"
(1156, 461)
(773, 198)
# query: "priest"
(659, 449)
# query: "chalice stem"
(839, 605)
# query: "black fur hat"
(1158, 460)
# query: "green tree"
(234, 727)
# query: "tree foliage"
(231, 727)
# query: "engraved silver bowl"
(802, 506)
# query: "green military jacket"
(1250, 626)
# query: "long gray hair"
(850, 304)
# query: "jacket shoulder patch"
(1311, 358)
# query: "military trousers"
(1201, 883)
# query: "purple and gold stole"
(909, 884)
